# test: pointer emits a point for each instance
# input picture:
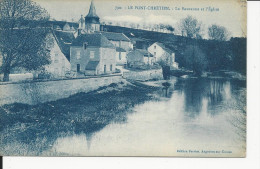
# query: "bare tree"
(23, 42)
(132, 25)
(191, 27)
(137, 26)
(219, 33)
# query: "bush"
(44, 75)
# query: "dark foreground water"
(193, 117)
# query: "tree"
(132, 25)
(165, 61)
(238, 53)
(195, 59)
(169, 28)
(23, 30)
(219, 33)
(190, 27)
(137, 26)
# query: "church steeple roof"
(92, 11)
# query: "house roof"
(137, 39)
(118, 49)
(115, 36)
(60, 24)
(164, 48)
(64, 40)
(144, 52)
(92, 65)
(93, 40)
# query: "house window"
(78, 67)
(92, 54)
(85, 46)
(154, 53)
(111, 67)
(105, 68)
(154, 47)
(120, 56)
(78, 54)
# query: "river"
(194, 117)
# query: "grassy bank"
(29, 130)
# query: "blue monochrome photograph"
(164, 78)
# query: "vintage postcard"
(123, 78)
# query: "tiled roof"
(62, 23)
(120, 49)
(115, 36)
(92, 65)
(64, 40)
(93, 40)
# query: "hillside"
(145, 36)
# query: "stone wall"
(144, 75)
(44, 91)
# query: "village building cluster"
(84, 49)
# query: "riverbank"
(31, 129)
(222, 74)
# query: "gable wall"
(59, 63)
(84, 57)
(108, 58)
(159, 51)
(123, 58)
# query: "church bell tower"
(92, 22)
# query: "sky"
(228, 13)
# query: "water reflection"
(186, 114)
(194, 115)
(196, 90)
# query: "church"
(94, 52)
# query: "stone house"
(139, 57)
(91, 24)
(162, 53)
(60, 53)
(59, 48)
(121, 56)
(68, 27)
(92, 54)
(122, 43)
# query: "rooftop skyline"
(230, 14)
